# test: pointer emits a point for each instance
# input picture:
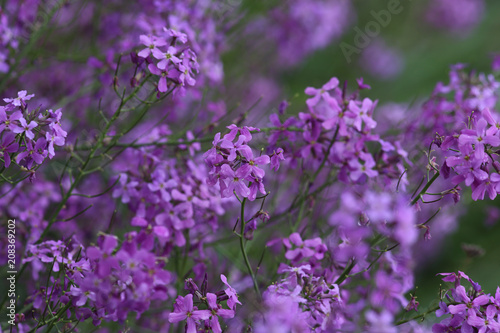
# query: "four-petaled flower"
(322, 93)
(20, 100)
(184, 310)
(152, 43)
(217, 311)
(26, 128)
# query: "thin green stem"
(243, 250)
(177, 143)
(421, 315)
(426, 187)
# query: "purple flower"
(187, 199)
(467, 166)
(496, 300)
(453, 324)
(301, 271)
(216, 312)
(54, 139)
(244, 132)
(362, 85)
(358, 169)
(21, 98)
(388, 293)
(490, 185)
(231, 293)
(233, 181)
(276, 157)
(443, 309)
(184, 310)
(488, 324)
(251, 167)
(161, 184)
(380, 322)
(471, 306)
(127, 189)
(152, 43)
(103, 254)
(455, 278)
(256, 186)
(7, 121)
(455, 15)
(382, 61)
(312, 145)
(164, 74)
(166, 57)
(362, 114)
(478, 137)
(32, 153)
(304, 249)
(281, 129)
(26, 128)
(192, 147)
(80, 296)
(322, 93)
(186, 74)
(182, 37)
(8, 145)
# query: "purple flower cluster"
(467, 310)
(41, 195)
(298, 249)
(176, 64)
(28, 136)
(59, 254)
(335, 134)
(301, 302)
(467, 130)
(336, 128)
(198, 25)
(104, 282)
(168, 196)
(233, 165)
(207, 319)
(152, 193)
(312, 297)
